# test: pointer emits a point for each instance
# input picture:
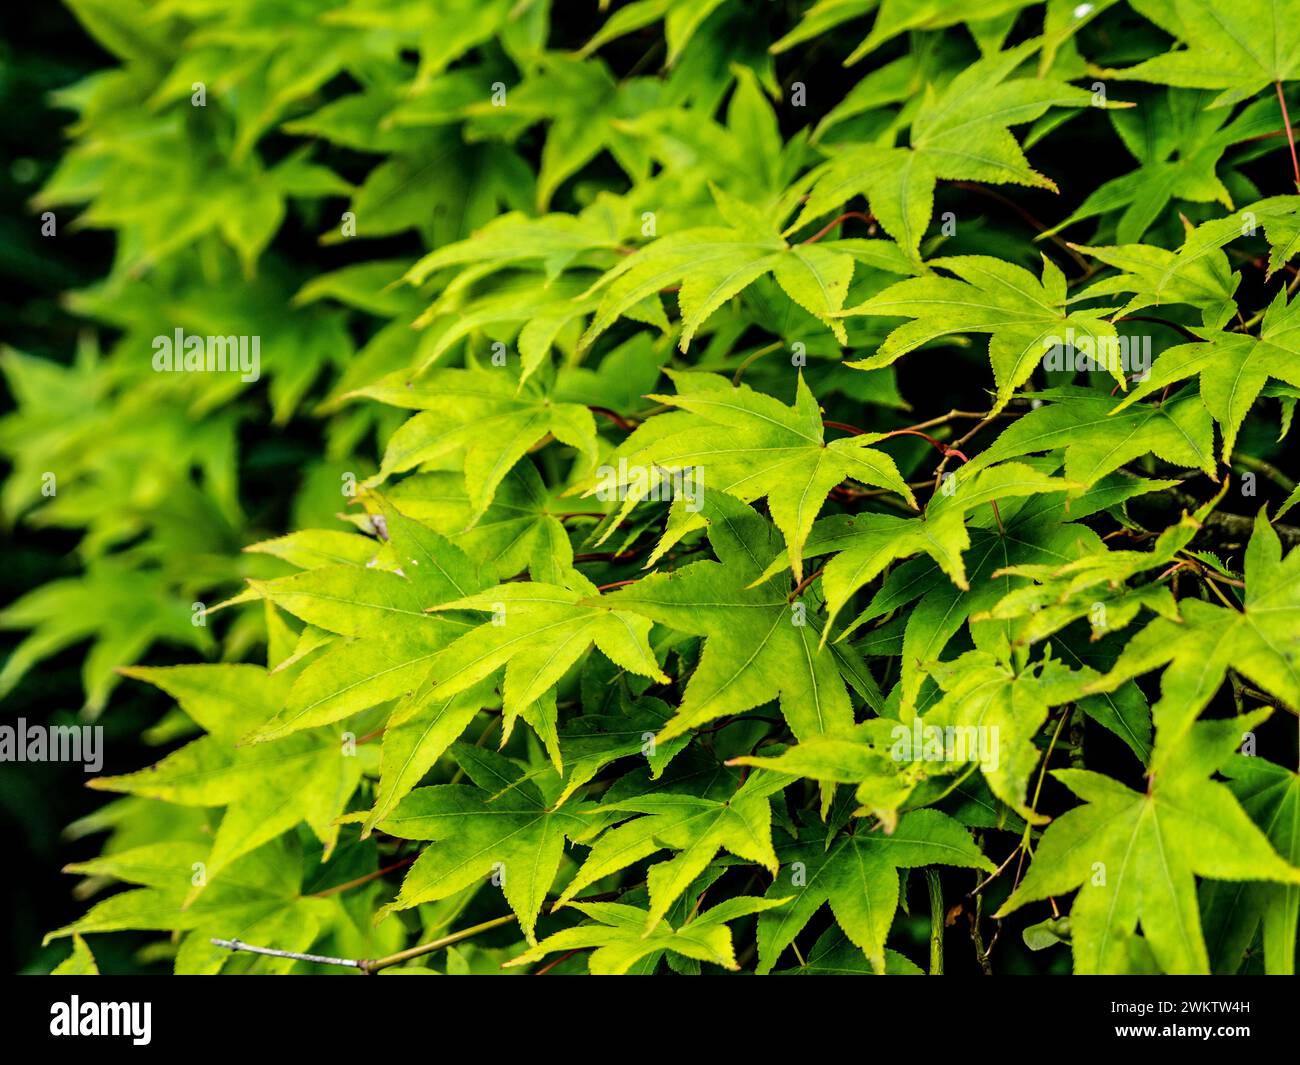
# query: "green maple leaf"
(864, 544)
(857, 874)
(1277, 216)
(711, 264)
(1134, 856)
(258, 900)
(896, 82)
(1033, 530)
(1024, 317)
(521, 529)
(487, 414)
(1270, 795)
(81, 962)
(959, 133)
(314, 548)
(414, 188)
(618, 934)
(586, 110)
(1175, 124)
(759, 643)
(1233, 367)
(894, 17)
(1239, 47)
(987, 713)
(537, 632)
(681, 18)
(1157, 277)
(865, 755)
(750, 446)
(266, 789)
(122, 611)
(1062, 594)
(1008, 706)
(349, 600)
(1260, 641)
(394, 638)
(697, 827)
(419, 731)
(444, 33)
(505, 827)
(537, 313)
(552, 242)
(834, 954)
(1096, 440)
(595, 740)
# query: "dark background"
(42, 48)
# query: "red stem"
(868, 219)
(939, 445)
(614, 417)
(1290, 136)
(340, 888)
(845, 427)
(552, 964)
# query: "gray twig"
(234, 944)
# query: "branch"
(836, 221)
(844, 427)
(976, 937)
(936, 922)
(1060, 242)
(614, 417)
(1271, 472)
(803, 584)
(369, 966)
(750, 358)
(1290, 135)
(338, 889)
(1180, 329)
(1222, 523)
(248, 948)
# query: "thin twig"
(365, 965)
(248, 948)
(614, 417)
(1268, 470)
(944, 449)
(844, 427)
(836, 221)
(1180, 329)
(1290, 134)
(374, 965)
(338, 889)
(944, 418)
(977, 937)
(1060, 242)
(803, 584)
(992, 876)
(936, 921)
(752, 357)
(552, 964)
